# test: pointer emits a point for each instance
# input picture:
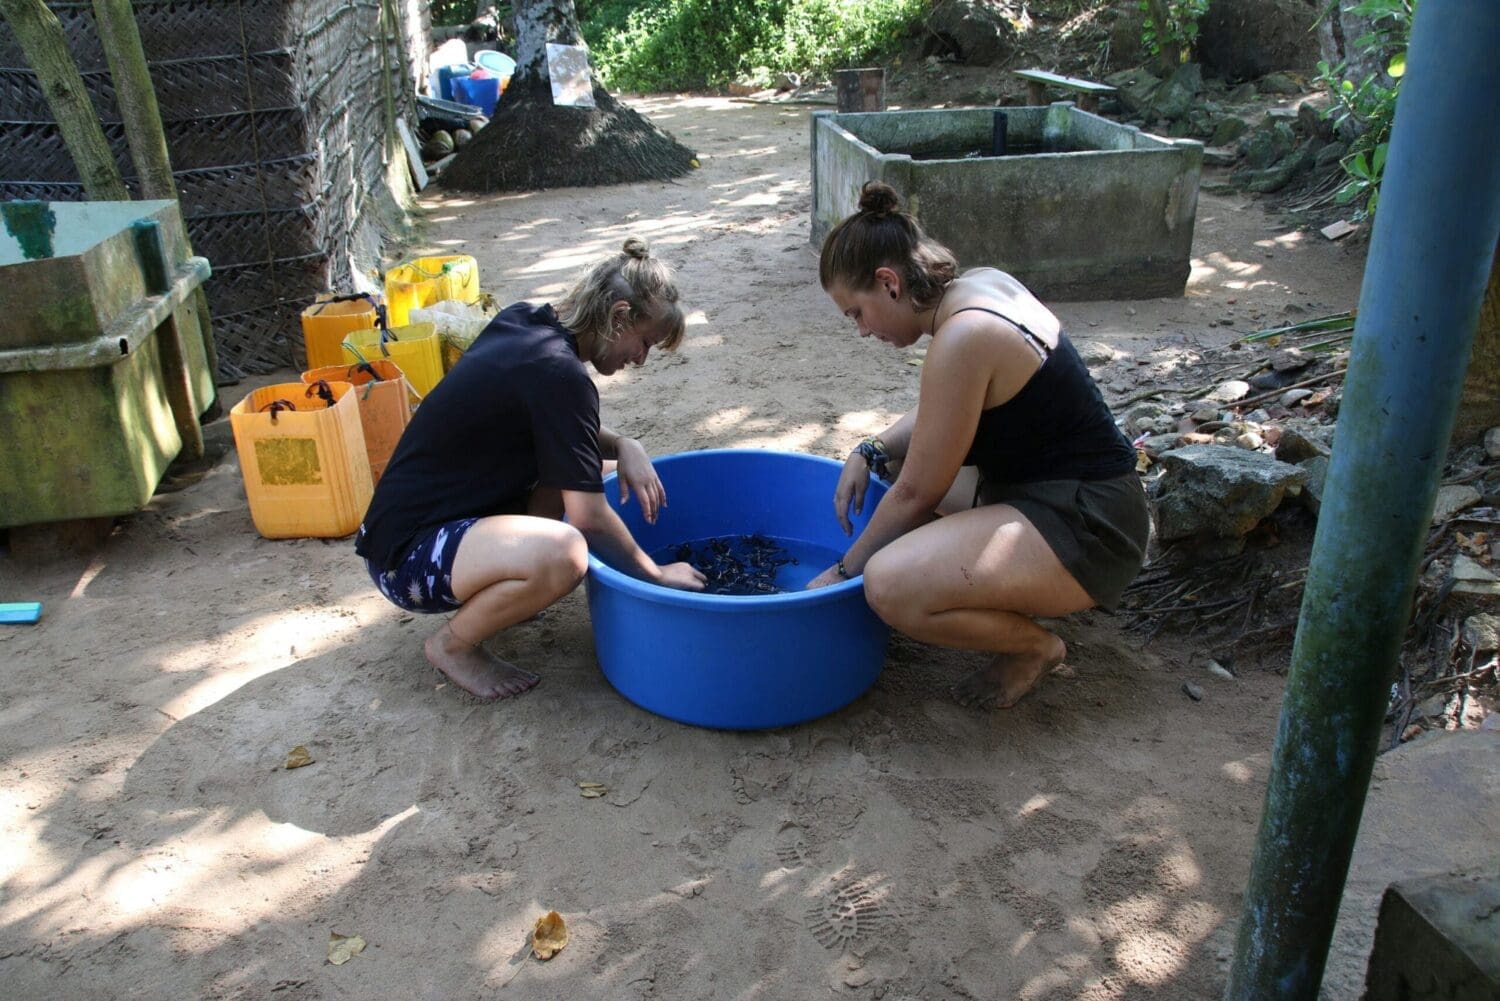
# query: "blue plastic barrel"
(739, 663)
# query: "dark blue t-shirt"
(518, 411)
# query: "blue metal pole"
(1430, 255)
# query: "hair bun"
(637, 248)
(879, 198)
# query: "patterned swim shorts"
(423, 581)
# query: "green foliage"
(452, 11)
(1179, 33)
(690, 44)
(1368, 108)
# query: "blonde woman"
(465, 518)
(1010, 440)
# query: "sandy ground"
(1091, 843)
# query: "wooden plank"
(1057, 80)
(413, 154)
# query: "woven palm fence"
(276, 113)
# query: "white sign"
(568, 68)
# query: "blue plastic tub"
(739, 663)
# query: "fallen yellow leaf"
(298, 757)
(549, 936)
(592, 790)
(342, 948)
(695, 163)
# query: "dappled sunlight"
(262, 646)
(201, 871)
(1238, 771)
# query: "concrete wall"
(1114, 221)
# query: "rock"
(475, 124)
(1274, 115)
(1244, 92)
(738, 89)
(1258, 416)
(1142, 414)
(1311, 122)
(1220, 671)
(1492, 443)
(1154, 445)
(1192, 691)
(788, 81)
(1466, 568)
(1278, 83)
(1134, 88)
(978, 32)
(1095, 353)
(1220, 156)
(1436, 705)
(1481, 633)
(1329, 155)
(1291, 360)
(1176, 96)
(1292, 397)
(1296, 445)
(1317, 479)
(1265, 382)
(1205, 414)
(1208, 490)
(1229, 392)
(1228, 130)
(1250, 440)
(1451, 500)
(461, 137)
(1266, 146)
(1218, 188)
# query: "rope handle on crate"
(369, 370)
(277, 406)
(323, 390)
(355, 297)
(362, 361)
(468, 277)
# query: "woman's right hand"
(850, 492)
(682, 576)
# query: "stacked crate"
(277, 114)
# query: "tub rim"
(607, 575)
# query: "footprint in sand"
(792, 850)
(847, 916)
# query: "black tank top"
(1057, 427)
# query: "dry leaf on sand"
(591, 790)
(342, 948)
(550, 936)
(298, 756)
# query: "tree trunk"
(121, 38)
(1479, 405)
(41, 37)
(532, 143)
(537, 23)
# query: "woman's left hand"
(826, 578)
(635, 472)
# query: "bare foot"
(1005, 680)
(474, 669)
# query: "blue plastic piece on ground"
(739, 662)
(20, 612)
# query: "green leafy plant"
(691, 44)
(1171, 28)
(1367, 108)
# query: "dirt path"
(1089, 844)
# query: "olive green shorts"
(1097, 528)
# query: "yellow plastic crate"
(427, 280)
(327, 322)
(307, 474)
(384, 405)
(416, 349)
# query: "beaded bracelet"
(875, 456)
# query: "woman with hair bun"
(466, 517)
(1011, 442)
